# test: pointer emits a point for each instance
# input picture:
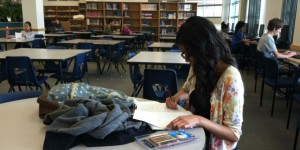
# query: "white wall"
(296, 40)
(273, 9)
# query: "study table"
(44, 54)
(167, 38)
(14, 40)
(155, 58)
(107, 43)
(21, 128)
(121, 37)
(161, 45)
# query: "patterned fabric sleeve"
(227, 107)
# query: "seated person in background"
(107, 29)
(126, 30)
(224, 28)
(267, 44)
(57, 26)
(27, 34)
(239, 38)
(214, 88)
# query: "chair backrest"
(39, 42)
(156, 82)
(134, 69)
(7, 97)
(91, 56)
(117, 52)
(20, 70)
(296, 80)
(80, 67)
(259, 60)
(271, 70)
(261, 29)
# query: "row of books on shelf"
(148, 6)
(146, 23)
(146, 15)
(94, 22)
(166, 23)
(185, 7)
(113, 13)
(166, 15)
(184, 15)
(168, 31)
(113, 6)
(125, 7)
(92, 6)
(94, 13)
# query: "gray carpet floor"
(260, 130)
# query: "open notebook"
(156, 114)
(18, 35)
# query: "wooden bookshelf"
(95, 15)
(132, 15)
(159, 18)
(63, 13)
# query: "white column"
(33, 11)
(296, 39)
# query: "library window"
(208, 8)
(234, 11)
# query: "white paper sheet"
(157, 114)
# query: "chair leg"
(289, 114)
(273, 103)
(296, 139)
(255, 83)
(261, 93)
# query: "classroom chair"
(8, 97)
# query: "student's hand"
(292, 53)
(172, 104)
(183, 122)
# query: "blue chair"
(116, 56)
(39, 41)
(271, 78)
(136, 77)
(79, 69)
(156, 82)
(8, 97)
(22, 73)
(91, 56)
(53, 66)
(295, 93)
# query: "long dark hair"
(238, 26)
(206, 45)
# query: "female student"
(238, 37)
(26, 33)
(126, 30)
(224, 28)
(214, 88)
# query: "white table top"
(168, 38)
(158, 58)
(21, 128)
(114, 36)
(57, 35)
(14, 40)
(96, 42)
(43, 54)
(161, 45)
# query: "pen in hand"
(170, 95)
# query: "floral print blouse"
(227, 102)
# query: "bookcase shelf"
(159, 18)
